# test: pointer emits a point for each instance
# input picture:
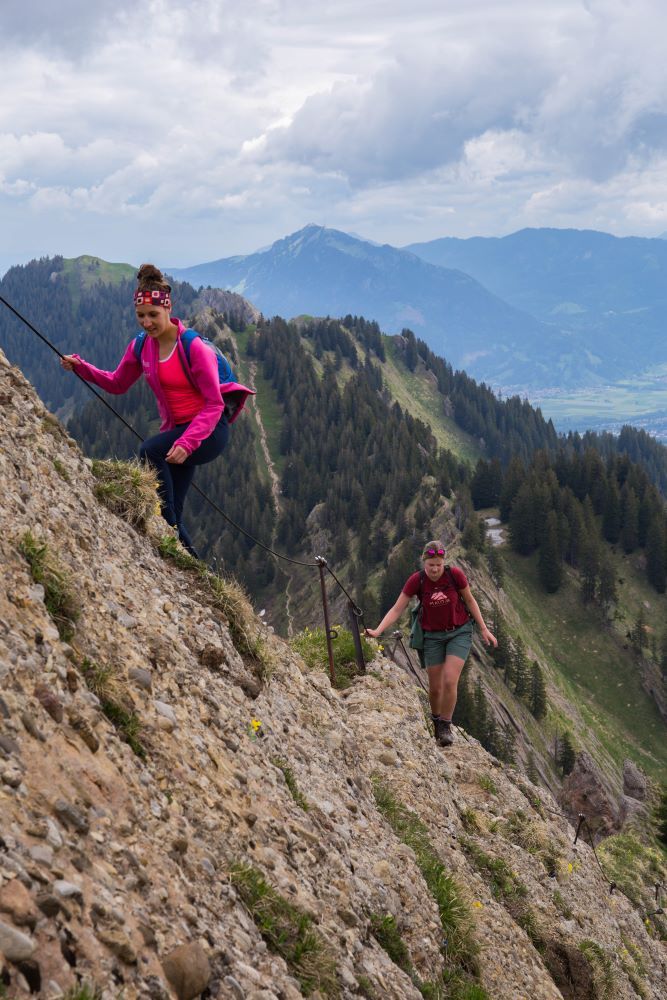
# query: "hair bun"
(149, 272)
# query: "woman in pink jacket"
(190, 398)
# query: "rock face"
(634, 782)
(120, 855)
(230, 303)
(586, 792)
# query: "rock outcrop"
(131, 844)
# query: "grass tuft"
(635, 866)
(128, 489)
(60, 598)
(104, 682)
(386, 933)
(562, 905)
(460, 950)
(61, 470)
(519, 828)
(290, 781)
(632, 960)
(507, 887)
(83, 992)
(488, 784)
(311, 645)
(470, 820)
(287, 931)
(365, 987)
(604, 975)
(503, 882)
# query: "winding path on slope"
(275, 493)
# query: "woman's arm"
(116, 382)
(473, 607)
(391, 616)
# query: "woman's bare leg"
(450, 671)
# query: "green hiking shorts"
(438, 645)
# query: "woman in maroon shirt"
(447, 612)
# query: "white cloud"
(225, 124)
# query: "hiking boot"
(443, 733)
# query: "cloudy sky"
(185, 130)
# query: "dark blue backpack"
(225, 373)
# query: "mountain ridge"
(327, 272)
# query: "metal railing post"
(356, 636)
(321, 562)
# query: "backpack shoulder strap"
(186, 339)
(461, 601)
(422, 577)
(139, 342)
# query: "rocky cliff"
(175, 821)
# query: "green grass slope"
(418, 393)
(593, 671)
(83, 272)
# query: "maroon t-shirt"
(442, 605)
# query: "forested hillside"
(357, 447)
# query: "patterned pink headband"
(152, 297)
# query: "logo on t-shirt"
(439, 597)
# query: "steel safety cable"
(213, 504)
(357, 610)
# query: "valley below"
(640, 400)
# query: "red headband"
(152, 297)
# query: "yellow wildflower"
(478, 905)
(256, 724)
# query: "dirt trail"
(277, 499)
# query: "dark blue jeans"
(175, 479)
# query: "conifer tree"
(520, 668)
(661, 817)
(549, 561)
(399, 568)
(480, 728)
(590, 569)
(503, 652)
(574, 515)
(513, 479)
(567, 756)
(638, 634)
(492, 741)
(410, 357)
(370, 605)
(630, 519)
(538, 692)
(531, 769)
(663, 654)
(465, 704)
(486, 483)
(522, 521)
(507, 748)
(470, 535)
(606, 591)
(611, 515)
(656, 570)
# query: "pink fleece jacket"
(203, 369)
